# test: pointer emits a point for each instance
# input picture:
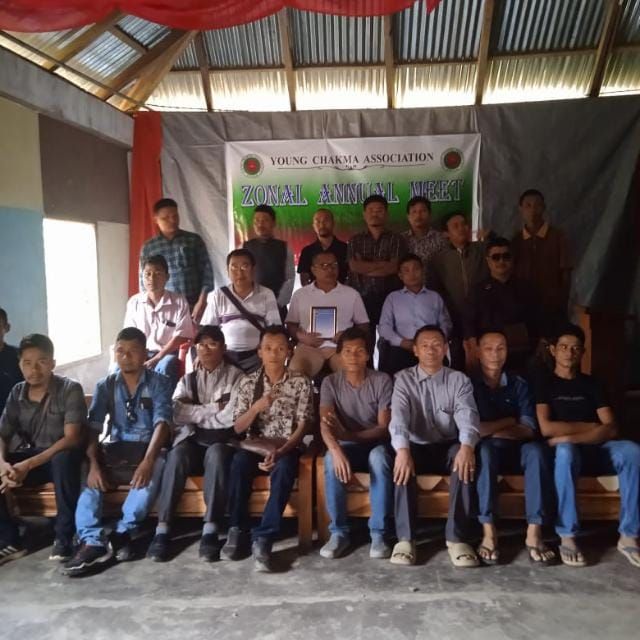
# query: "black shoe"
(158, 550)
(236, 545)
(261, 552)
(61, 550)
(10, 552)
(209, 547)
(122, 547)
(86, 557)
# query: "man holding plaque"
(319, 313)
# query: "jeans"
(135, 509)
(502, 456)
(621, 457)
(64, 471)
(244, 468)
(377, 460)
(169, 366)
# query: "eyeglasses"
(129, 406)
(497, 257)
(326, 265)
(240, 267)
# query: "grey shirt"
(357, 408)
(41, 424)
(433, 408)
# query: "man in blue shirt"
(510, 445)
(138, 403)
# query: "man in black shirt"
(576, 417)
(10, 373)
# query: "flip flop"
(571, 557)
(632, 554)
(404, 553)
(462, 555)
(542, 548)
(493, 554)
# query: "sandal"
(462, 555)
(488, 555)
(404, 553)
(571, 557)
(632, 554)
(540, 550)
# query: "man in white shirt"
(163, 316)
(242, 310)
(315, 348)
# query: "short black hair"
(410, 257)
(350, 334)
(164, 203)
(157, 261)
(530, 192)
(568, 329)
(419, 200)
(485, 331)
(265, 208)
(36, 341)
(496, 242)
(242, 253)
(132, 334)
(324, 210)
(451, 216)
(3, 316)
(209, 331)
(376, 197)
(275, 330)
(429, 327)
(323, 253)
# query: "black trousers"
(64, 471)
(394, 359)
(438, 459)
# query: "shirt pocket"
(185, 257)
(444, 419)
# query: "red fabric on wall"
(55, 15)
(146, 187)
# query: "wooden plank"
(123, 36)
(389, 60)
(607, 38)
(287, 56)
(483, 52)
(203, 64)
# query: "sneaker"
(261, 552)
(209, 547)
(121, 544)
(379, 549)
(87, 556)
(158, 550)
(10, 552)
(336, 546)
(61, 551)
(236, 544)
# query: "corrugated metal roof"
(187, 59)
(76, 79)
(50, 42)
(622, 74)
(543, 25)
(437, 85)
(145, 32)
(539, 78)
(179, 90)
(21, 51)
(629, 28)
(450, 32)
(250, 91)
(323, 39)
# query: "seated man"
(138, 403)
(313, 350)
(354, 422)
(275, 407)
(242, 310)
(163, 316)
(41, 438)
(204, 416)
(510, 445)
(405, 311)
(434, 429)
(576, 417)
(10, 373)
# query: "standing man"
(273, 258)
(242, 310)
(434, 429)
(190, 271)
(323, 224)
(10, 373)
(374, 255)
(541, 255)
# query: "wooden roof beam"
(482, 66)
(123, 36)
(287, 55)
(389, 60)
(203, 64)
(607, 37)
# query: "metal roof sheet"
(622, 74)
(146, 33)
(179, 90)
(436, 85)
(249, 91)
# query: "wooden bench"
(598, 498)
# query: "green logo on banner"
(452, 159)
(251, 166)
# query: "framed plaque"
(324, 321)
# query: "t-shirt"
(357, 407)
(10, 373)
(337, 248)
(576, 400)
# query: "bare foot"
(488, 548)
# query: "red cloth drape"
(55, 15)
(146, 186)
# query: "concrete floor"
(311, 598)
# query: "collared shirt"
(425, 246)
(347, 301)
(168, 319)
(511, 399)
(190, 271)
(337, 248)
(433, 408)
(10, 373)
(292, 403)
(240, 334)
(42, 423)
(215, 410)
(151, 405)
(364, 246)
(404, 312)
